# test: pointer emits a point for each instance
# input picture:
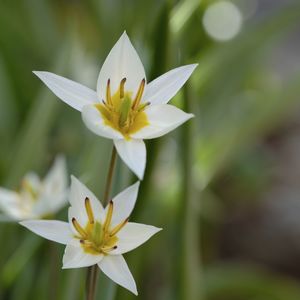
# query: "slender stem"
(92, 273)
(110, 176)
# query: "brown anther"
(108, 93)
(122, 84)
(89, 210)
(139, 94)
(78, 228)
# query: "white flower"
(125, 108)
(95, 235)
(37, 198)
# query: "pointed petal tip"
(125, 35)
(140, 175)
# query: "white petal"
(10, 204)
(56, 181)
(124, 203)
(165, 87)
(121, 62)
(133, 235)
(133, 153)
(93, 121)
(56, 186)
(56, 231)
(49, 204)
(115, 267)
(162, 119)
(33, 180)
(75, 257)
(77, 199)
(71, 92)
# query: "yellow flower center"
(122, 112)
(97, 238)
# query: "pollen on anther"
(89, 210)
(78, 228)
(139, 95)
(122, 84)
(108, 215)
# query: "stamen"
(117, 228)
(108, 249)
(108, 216)
(78, 228)
(122, 84)
(108, 93)
(139, 95)
(86, 242)
(142, 106)
(89, 210)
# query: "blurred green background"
(225, 187)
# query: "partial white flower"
(95, 235)
(37, 198)
(125, 108)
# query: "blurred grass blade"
(19, 259)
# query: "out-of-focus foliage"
(224, 187)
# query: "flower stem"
(110, 176)
(92, 273)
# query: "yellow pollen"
(122, 112)
(96, 237)
(89, 210)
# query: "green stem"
(110, 176)
(92, 273)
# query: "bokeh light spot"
(222, 20)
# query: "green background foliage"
(223, 186)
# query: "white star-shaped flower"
(37, 198)
(125, 108)
(95, 235)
